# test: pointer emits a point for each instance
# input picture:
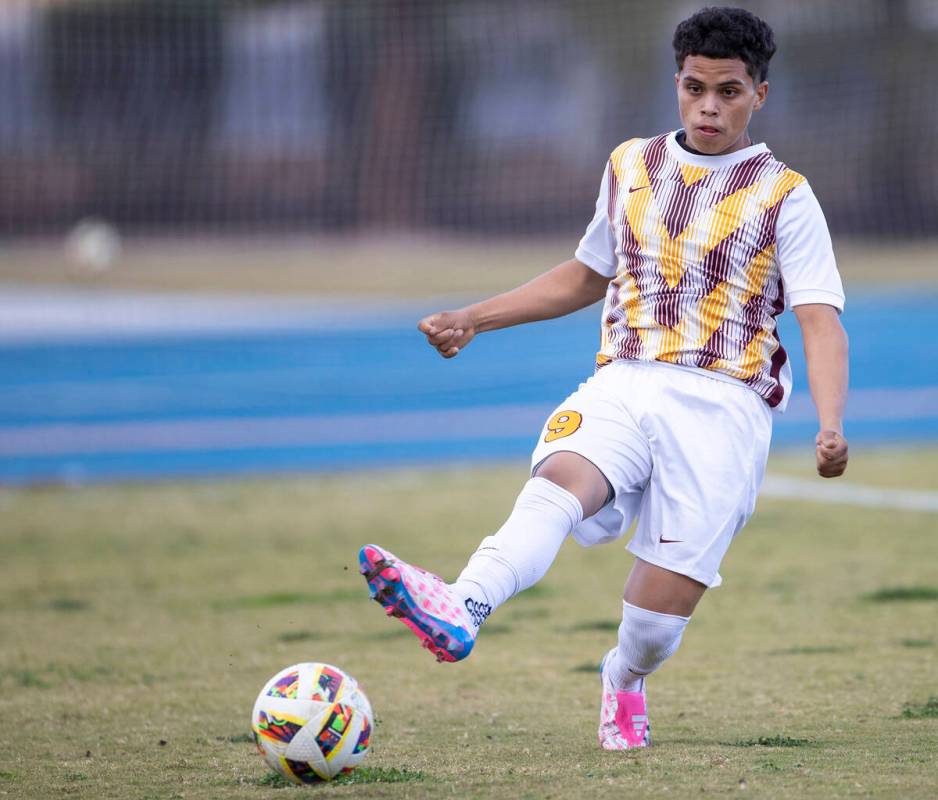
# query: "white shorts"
(683, 452)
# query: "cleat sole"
(373, 571)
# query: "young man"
(700, 239)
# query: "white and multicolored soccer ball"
(311, 722)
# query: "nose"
(709, 105)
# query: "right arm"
(566, 288)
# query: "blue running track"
(333, 395)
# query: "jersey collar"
(712, 162)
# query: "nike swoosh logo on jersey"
(636, 188)
(668, 541)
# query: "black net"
(457, 115)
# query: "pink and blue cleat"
(421, 600)
(623, 716)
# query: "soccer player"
(700, 239)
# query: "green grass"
(904, 594)
(275, 599)
(926, 710)
(138, 623)
(68, 604)
(359, 777)
(364, 775)
(918, 642)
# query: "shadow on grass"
(278, 599)
(26, 679)
(770, 766)
(68, 604)
(917, 642)
(539, 612)
(534, 592)
(926, 710)
(53, 674)
(903, 594)
(356, 777)
(496, 629)
(771, 741)
(602, 625)
(395, 632)
(298, 636)
(590, 667)
(811, 651)
(237, 738)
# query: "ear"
(762, 92)
(677, 80)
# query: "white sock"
(646, 640)
(522, 550)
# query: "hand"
(831, 454)
(448, 331)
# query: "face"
(716, 98)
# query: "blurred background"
(221, 219)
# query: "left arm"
(825, 349)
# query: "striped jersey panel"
(697, 278)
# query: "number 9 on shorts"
(563, 423)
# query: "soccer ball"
(92, 247)
(311, 722)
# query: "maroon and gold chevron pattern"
(697, 282)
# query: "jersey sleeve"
(805, 254)
(597, 248)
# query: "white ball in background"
(92, 246)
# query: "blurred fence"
(203, 116)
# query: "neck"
(741, 143)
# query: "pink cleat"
(421, 600)
(623, 716)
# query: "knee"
(648, 638)
(579, 476)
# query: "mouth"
(708, 130)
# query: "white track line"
(914, 402)
(480, 422)
(32, 315)
(853, 494)
(495, 422)
(401, 427)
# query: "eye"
(730, 92)
(693, 88)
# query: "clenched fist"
(831, 454)
(448, 331)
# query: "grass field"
(138, 623)
(402, 267)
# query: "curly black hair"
(721, 32)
